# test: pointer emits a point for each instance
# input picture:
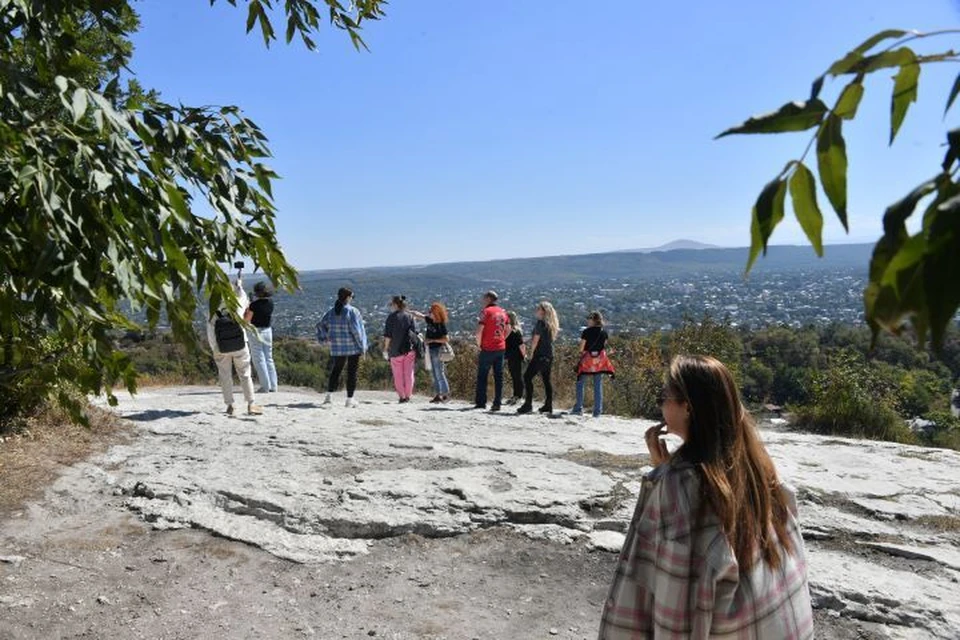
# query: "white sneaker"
(327, 400)
(351, 403)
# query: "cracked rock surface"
(319, 485)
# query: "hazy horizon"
(586, 253)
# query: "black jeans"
(336, 367)
(541, 365)
(489, 360)
(515, 365)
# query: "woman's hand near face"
(657, 448)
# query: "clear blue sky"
(478, 130)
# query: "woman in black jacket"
(515, 354)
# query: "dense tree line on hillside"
(826, 377)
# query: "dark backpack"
(229, 334)
(416, 343)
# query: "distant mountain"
(597, 267)
(683, 243)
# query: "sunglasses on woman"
(663, 396)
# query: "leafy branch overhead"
(99, 188)
(914, 278)
(304, 18)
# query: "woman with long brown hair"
(714, 548)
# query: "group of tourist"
(714, 547)
(499, 337)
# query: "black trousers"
(542, 366)
(515, 365)
(337, 362)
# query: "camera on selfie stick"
(239, 267)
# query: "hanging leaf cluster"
(914, 278)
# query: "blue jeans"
(597, 394)
(488, 360)
(439, 370)
(261, 353)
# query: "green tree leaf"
(887, 60)
(895, 291)
(904, 94)
(941, 271)
(767, 214)
(793, 116)
(849, 100)
(856, 63)
(253, 12)
(803, 195)
(877, 38)
(953, 95)
(79, 104)
(816, 87)
(832, 165)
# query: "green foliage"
(852, 398)
(98, 182)
(158, 357)
(790, 356)
(640, 368)
(709, 338)
(913, 277)
(947, 432)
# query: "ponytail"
(342, 296)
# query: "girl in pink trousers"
(398, 347)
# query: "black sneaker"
(482, 407)
(545, 409)
(525, 408)
(495, 407)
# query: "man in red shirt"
(492, 340)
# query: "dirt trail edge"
(425, 521)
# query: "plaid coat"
(344, 332)
(679, 579)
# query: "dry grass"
(167, 380)
(942, 524)
(32, 458)
(605, 461)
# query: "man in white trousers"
(239, 358)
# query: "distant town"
(637, 293)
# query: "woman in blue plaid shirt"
(342, 328)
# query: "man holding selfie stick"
(228, 341)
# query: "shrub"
(947, 432)
(48, 371)
(640, 367)
(852, 398)
(708, 338)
